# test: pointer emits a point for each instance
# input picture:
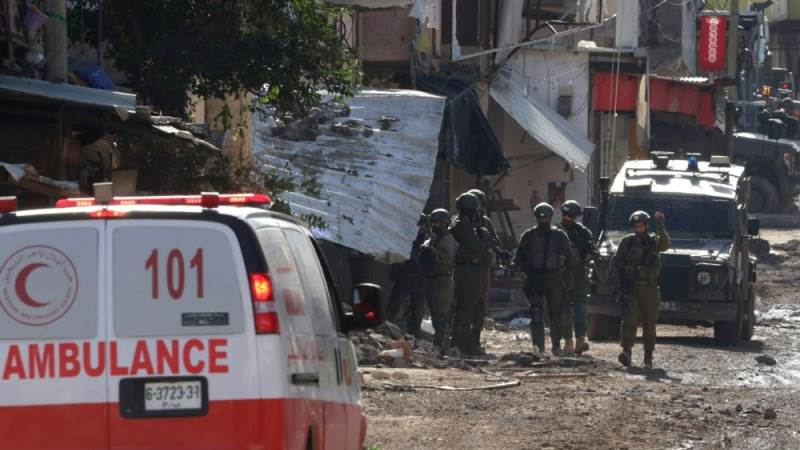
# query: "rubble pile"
(388, 346)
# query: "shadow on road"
(655, 374)
(708, 343)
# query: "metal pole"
(55, 40)
(99, 31)
(733, 49)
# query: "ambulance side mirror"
(367, 312)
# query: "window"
(48, 281)
(314, 282)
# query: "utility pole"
(55, 40)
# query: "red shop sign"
(713, 43)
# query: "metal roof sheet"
(370, 190)
(119, 101)
(540, 121)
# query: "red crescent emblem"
(21, 285)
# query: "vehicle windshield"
(708, 217)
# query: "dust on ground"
(700, 396)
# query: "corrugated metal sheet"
(540, 121)
(370, 190)
(121, 102)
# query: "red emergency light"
(264, 304)
(786, 85)
(206, 200)
(8, 204)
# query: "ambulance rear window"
(176, 278)
(48, 280)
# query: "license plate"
(173, 396)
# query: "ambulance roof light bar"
(206, 200)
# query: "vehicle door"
(53, 388)
(182, 368)
(318, 303)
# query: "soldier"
(584, 250)
(545, 255)
(410, 284)
(469, 274)
(439, 254)
(638, 265)
(480, 310)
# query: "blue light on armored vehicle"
(694, 166)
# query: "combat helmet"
(639, 217)
(571, 208)
(480, 194)
(440, 215)
(467, 203)
(543, 211)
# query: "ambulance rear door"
(182, 341)
(53, 383)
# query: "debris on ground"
(504, 385)
(766, 359)
(770, 414)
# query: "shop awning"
(539, 120)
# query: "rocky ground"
(699, 397)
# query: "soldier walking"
(584, 250)
(409, 284)
(545, 255)
(483, 221)
(438, 255)
(638, 265)
(469, 276)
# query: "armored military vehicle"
(707, 276)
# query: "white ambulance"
(186, 322)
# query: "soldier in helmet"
(439, 254)
(584, 250)
(483, 221)
(545, 255)
(469, 273)
(638, 265)
(409, 284)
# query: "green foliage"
(283, 51)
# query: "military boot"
(648, 359)
(555, 349)
(569, 346)
(581, 346)
(624, 358)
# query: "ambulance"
(180, 322)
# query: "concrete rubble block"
(389, 329)
(770, 414)
(301, 130)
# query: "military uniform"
(409, 284)
(638, 265)
(480, 309)
(545, 255)
(472, 260)
(583, 246)
(439, 254)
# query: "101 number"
(175, 273)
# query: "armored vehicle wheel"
(728, 333)
(749, 315)
(602, 328)
(763, 196)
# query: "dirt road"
(699, 397)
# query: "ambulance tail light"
(8, 204)
(266, 314)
